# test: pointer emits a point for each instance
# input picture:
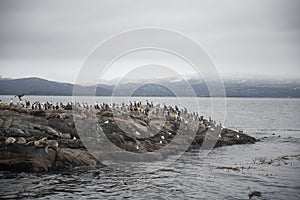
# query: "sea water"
(271, 166)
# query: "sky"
(51, 39)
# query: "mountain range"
(234, 88)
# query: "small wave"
(263, 130)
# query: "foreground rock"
(36, 134)
(47, 140)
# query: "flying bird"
(20, 96)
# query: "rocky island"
(44, 137)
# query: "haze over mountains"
(234, 88)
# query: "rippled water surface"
(271, 166)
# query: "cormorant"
(20, 96)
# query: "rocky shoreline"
(37, 140)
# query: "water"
(191, 177)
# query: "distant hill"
(234, 88)
(38, 86)
(34, 86)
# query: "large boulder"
(18, 157)
(69, 158)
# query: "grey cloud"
(249, 36)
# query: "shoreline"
(53, 144)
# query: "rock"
(16, 157)
(19, 158)
(39, 113)
(73, 144)
(21, 140)
(107, 113)
(116, 139)
(70, 158)
(19, 109)
(64, 126)
(39, 134)
(47, 130)
(42, 140)
(4, 106)
(6, 121)
(15, 132)
(65, 135)
(57, 115)
(53, 144)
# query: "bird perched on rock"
(253, 193)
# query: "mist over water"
(274, 121)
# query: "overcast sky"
(50, 39)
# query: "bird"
(20, 96)
(253, 193)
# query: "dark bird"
(253, 193)
(20, 96)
